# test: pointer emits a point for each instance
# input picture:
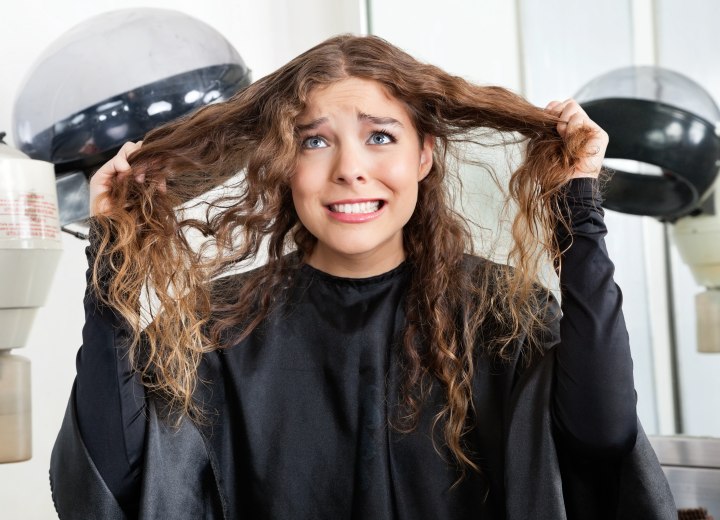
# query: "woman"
(371, 368)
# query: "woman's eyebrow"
(312, 125)
(379, 120)
(315, 123)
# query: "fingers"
(120, 164)
(552, 107)
(572, 117)
(119, 167)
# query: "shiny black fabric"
(312, 396)
(181, 476)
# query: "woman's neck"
(360, 265)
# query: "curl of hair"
(449, 307)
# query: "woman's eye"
(314, 142)
(381, 138)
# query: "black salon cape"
(182, 479)
(179, 478)
(192, 472)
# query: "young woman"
(372, 367)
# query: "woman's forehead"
(362, 96)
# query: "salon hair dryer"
(30, 248)
(112, 79)
(664, 155)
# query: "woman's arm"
(594, 396)
(110, 398)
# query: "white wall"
(267, 34)
(476, 40)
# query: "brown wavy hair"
(146, 244)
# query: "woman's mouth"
(357, 207)
(356, 212)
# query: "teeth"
(358, 207)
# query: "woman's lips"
(356, 211)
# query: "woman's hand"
(573, 117)
(100, 183)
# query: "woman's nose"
(349, 165)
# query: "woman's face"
(357, 178)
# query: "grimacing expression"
(356, 182)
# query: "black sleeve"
(110, 398)
(594, 395)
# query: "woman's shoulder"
(488, 286)
(482, 275)
(472, 263)
(237, 276)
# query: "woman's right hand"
(100, 183)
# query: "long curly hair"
(244, 152)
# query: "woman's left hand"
(572, 117)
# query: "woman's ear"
(426, 156)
